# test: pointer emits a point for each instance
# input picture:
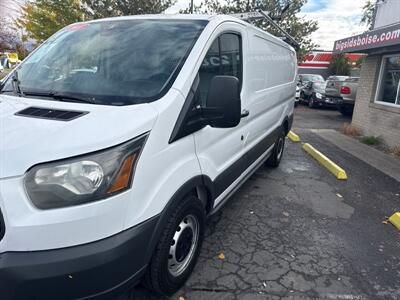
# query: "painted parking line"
(337, 171)
(293, 137)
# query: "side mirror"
(223, 105)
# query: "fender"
(186, 188)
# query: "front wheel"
(277, 152)
(302, 97)
(178, 249)
(311, 103)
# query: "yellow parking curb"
(293, 137)
(326, 162)
(395, 220)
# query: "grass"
(350, 129)
(4, 73)
(370, 140)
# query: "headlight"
(85, 178)
(318, 95)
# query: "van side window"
(223, 58)
(210, 67)
(231, 56)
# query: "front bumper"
(99, 269)
(327, 101)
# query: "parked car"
(302, 79)
(108, 174)
(333, 85)
(305, 83)
(297, 96)
(315, 95)
(348, 93)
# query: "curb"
(293, 137)
(395, 220)
(326, 162)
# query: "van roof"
(218, 18)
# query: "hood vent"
(50, 114)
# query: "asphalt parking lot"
(297, 232)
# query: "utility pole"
(191, 6)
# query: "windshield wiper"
(60, 97)
(16, 84)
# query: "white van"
(120, 136)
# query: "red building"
(317, 62)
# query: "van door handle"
(245, 113)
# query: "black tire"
(159, 276)
(311, 102)
(277, 152)
(296, 103)
(302, 97)
(345, 111)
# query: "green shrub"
(370, 140)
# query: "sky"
(337, 19)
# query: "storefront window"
(389, 91)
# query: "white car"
(107, 176)
(1, 68)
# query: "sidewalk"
(377, 159)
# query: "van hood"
(27, 141)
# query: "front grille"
(2, 226)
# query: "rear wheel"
(345, 111)
(277, 152)
(178, 249)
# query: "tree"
(368, 14)
(42, 18)
(8, 36)
(296, 26)
(340, 65)
(110, 8)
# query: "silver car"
(348, 93)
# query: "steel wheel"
(183, 245)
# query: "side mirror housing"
(223, 105)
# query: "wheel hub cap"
(183, 245)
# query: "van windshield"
(116, 62)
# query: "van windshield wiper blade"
(16, 84)
(60, 96)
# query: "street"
(297, 232)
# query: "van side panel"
(270, 76)
(271, 64)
